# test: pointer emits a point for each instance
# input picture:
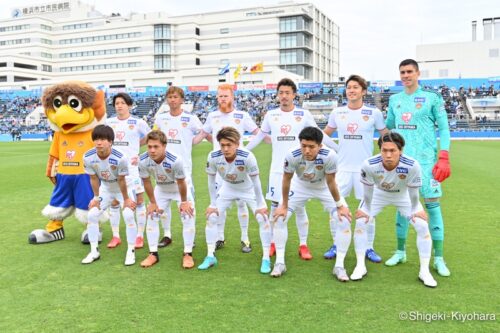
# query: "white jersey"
(107, 170)
(391, 184)
(355, 129)
(165, 173)
(238, 119)
(284, 128)
(310, 174)
(180, 131)
(128, 134)
(236, 174)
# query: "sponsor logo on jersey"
(71, 163)
(387, 186)
(298, 113)
(239, 162)
(352, 127)
(353, 137)
(419, 100)
(186, 119)
(286, 138)
(173, 133)
(410, 127)
(112, 161)
(238, 116)
(119, 135)
(434, 183)
(70, 154)
(366, 111)
(167, 165)
(318, 161)
(132, 121)
(401, 170)
(285, 129)
(162, 178)
(406, 117)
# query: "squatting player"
(414, 113)
(108, 168)
(240, 181)
(392, 178)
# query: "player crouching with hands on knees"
(392, 178)
(107, 168)
(168, 171)
(315, 169)
(240, 174)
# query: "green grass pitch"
(44, 288)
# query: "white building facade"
(52, 42)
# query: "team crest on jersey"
(65, 143)
(241, 168)
(80, 143)
(352, 127)
(120, 135)
(276, 118)
(237, 121)
(406, 117)
(285, 129)
(105, 174)
(221, 169)
(402, 176)
(184, 124)
(130, 127)
(70, 154)
(298, 119)
(418, 105)
(173, 133)
(366, 118)
(239, 162)
(434, 183)
(114, 167)
(112, 161)
(401, 170)
(387, 186)
(366, 111)
(231, 177)
(319, 167)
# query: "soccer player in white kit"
(181, 129)
(392, 178)
(314, 168)
(355, 123)
(239, 171)
(225, 116)
(283, 125)
(167, 168)
(130, 133)
(108, 169)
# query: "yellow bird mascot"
(73, 109)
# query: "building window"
(197, 46)
(162, 47)
(224, 30)
(198, 62)
(47, 68)
(197, 31)
(162, 31)
(224, 46)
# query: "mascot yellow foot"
(53, 231)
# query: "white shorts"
(108, 197)
(382, 199)
(346, 181)
(134, 186)
(299, 196)
(225, 203)
(274, 187)
(164, 199)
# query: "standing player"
(226, 116)
(355, 123)
(109, 167)
(168, 171)
(240, 181)
(181, 128)
(414, 114)
(283, 125)
(130, 134)
(314, 168)
(396, 178)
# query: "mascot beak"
(69, 120)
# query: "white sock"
(424, 265)
(280, 238)
(221, 224)
(342, 240)
(114, 220)
(302, 223)
(370, 232)
(424, 240)
(166, 219)
(128, 216)
(274, 205)
(265, 234)
(211, 233)
(360, 236)
(93, 224)
(243, 219)
(140, 213)
(188, 232)
(333, 226)
(153, 233)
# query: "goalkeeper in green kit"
(414, 113)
